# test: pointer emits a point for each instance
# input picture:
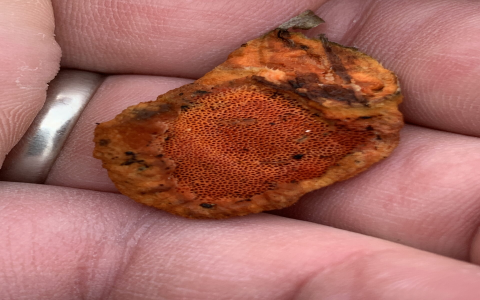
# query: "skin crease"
(359, 239)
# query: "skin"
(408, 228)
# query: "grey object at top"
(32, 158)
(306, 20)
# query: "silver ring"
(32, 158)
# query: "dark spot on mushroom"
(144, 114)
(298, 156)
(103, 142)
(132, 159)
(199, 93)
(369, 128)
(271, 185)
(128, 162)
(244, 200)
(207, 205)
(285, 36)
(295, 84)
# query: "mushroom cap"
(283, 116)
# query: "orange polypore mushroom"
(283, 116)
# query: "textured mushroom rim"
(316, 58)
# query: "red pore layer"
(236, 143)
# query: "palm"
(425, 195)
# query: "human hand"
(76, 238)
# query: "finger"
(433, 47)
(29, 58)
(176, 38)
(414, 187)
(81, 244)
(425, 195)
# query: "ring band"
(67, 95)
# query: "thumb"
(30, 58)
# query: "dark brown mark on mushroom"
(244, 200)
(335, 61)
(298, 156)
(207, 205)
(199, 93)
(132, 159)
(284, 35)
